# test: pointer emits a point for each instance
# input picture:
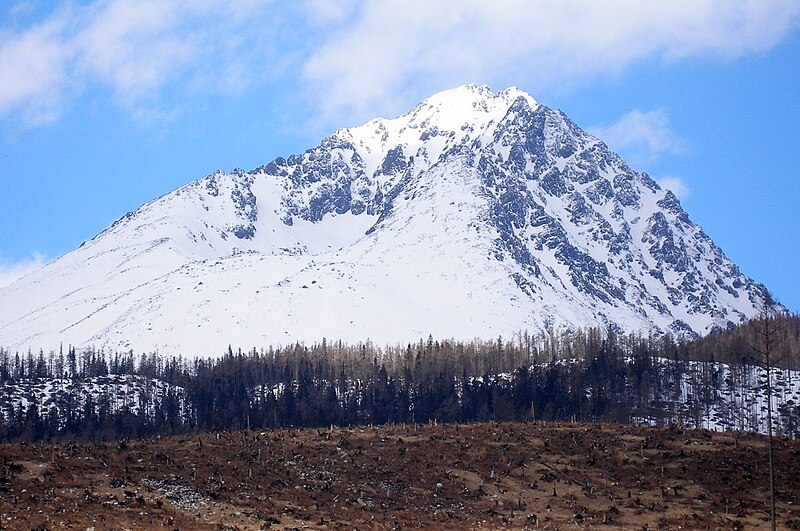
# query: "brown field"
(513, 476)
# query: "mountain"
(473, 215)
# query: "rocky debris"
(178, 493)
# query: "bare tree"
(766, 330)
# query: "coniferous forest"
(591, 375)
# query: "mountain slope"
(475, 214)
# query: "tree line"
(583, 375)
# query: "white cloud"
(11, 271)
(21, 9)
(394, 46)
(325, 12)
(676, 185)
(642, 137)
(34, 71)
(135, 48)
(357, 58)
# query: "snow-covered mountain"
(475, 214)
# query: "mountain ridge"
(474, 214)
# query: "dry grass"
(568, 476)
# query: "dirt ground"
(498, 476)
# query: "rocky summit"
(476, 214)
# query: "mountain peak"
(472, 103)
(445, 119)
(476, 92)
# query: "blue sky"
(105, 105)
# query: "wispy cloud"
(674, 184)
(34, 71)
(642, 137)
(134, 48)
(11, 271)
(327, 12)
(353, 58)
(391, 46)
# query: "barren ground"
(567, 476)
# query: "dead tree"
(766, 330)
